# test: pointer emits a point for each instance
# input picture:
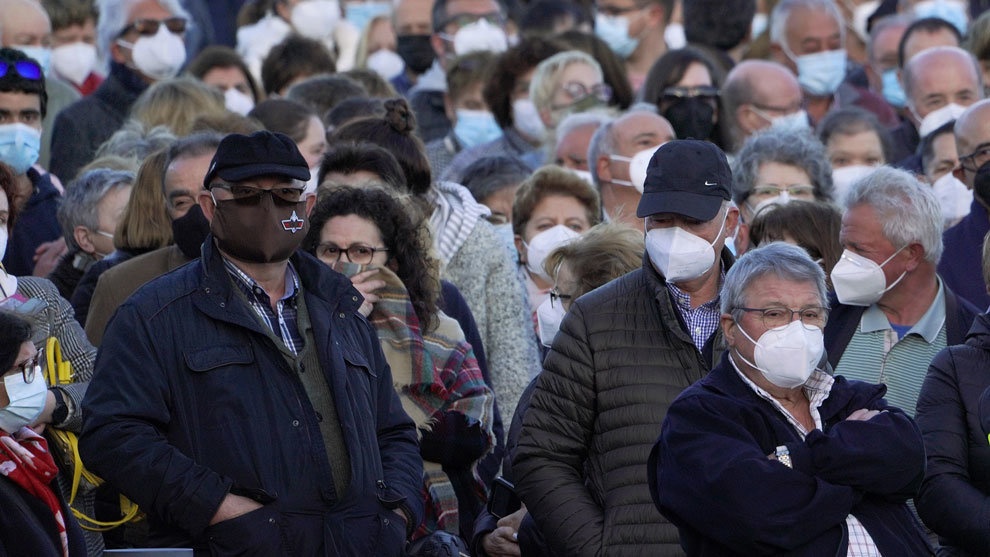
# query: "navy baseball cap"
(688, 177)
(262, 153)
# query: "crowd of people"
(495, 277)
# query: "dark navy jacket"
(36, 224)
(192, 400)
(710, 475)
(960, 266)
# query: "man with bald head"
(960, 265)
(758, 94)
(617, 159)
(25, 25)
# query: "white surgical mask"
(385, 63)
(237, 101)
(315, 19)
(844, 177)
(674, 36)
(314, 181)
(506, 236)
(955, 12)
(758, 25)
(540, 246)
(548, 318)
(787, 355)
(791, 123)
(585, 175)
(74, 61)
(937, 118)
(3, 240)
(479, 35)
(861, 16)
(781, 199)
(820, 73)
(680, 255)
(27, 400)
(527, 120)
(159, 56)
(614, 31)
(859, 281)
(637, 167)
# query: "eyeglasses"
(149, 27)
(28, 368)
(578, 91)
(245, 194)
(976, 159)
(776, 316)
(24, 68)
(356, 253)
(800, 191)
(704, 91)
(557, 298)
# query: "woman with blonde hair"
(176, 103)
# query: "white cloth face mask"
(159, 56)
(540, 246)
(237, 101)
(480, 35)
(787, 355)
(548, 318)
(315, 19)
(680, 255)
(385, 63)
(859, 281)
(844, 177)
(74, 61)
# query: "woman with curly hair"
(368, 235)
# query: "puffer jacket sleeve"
(948, 502)
(553, 444)
(127, 411)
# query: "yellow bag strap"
(58, 371)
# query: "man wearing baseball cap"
(623, 354)
(242, 401)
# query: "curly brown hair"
(404, 236)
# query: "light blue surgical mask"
(361, 13)
(476, 127)
(892, 90)
(953, 11)
(41, 55)
(821, 73)
(19, 146)
(506, 237)
(614, 30)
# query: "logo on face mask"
(293, 224)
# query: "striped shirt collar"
(816, 388)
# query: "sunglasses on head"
(24, 68)
(149, 27)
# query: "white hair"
(113, 20)
(785, 261)
(782, 13)
(907, 209)
(572, 122)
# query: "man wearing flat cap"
(242, 401)
(623, 354)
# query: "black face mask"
(692, 118)
(981, 184)
(416, 51)
(189, 232)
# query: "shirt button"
(341, 315)
(295, 423)
(271, 521)
(697, 329)
(355, 298)
(223, 305)
(207, 290)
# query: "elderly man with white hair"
(769, 454)
(893, 313)
(143, 41)
(573, 138)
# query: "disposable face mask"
(861, 16)
(416, 51)
(504, 233)
(480, 35)
(19, 146)
(476, 127)
(41, 55)
(937, 118)
(981, 183)
(692, 118)
(637, 167)
(859, 281)
(585, 175)
(953, 11)
(614, 30)
(843, 178)
(674, 36)
(758, 25)
(238, 102)
(540, 246)
(821, 73)
(315, 19)
(787, 355)
(527, 120)
(679, 255)
(791, 123)
(27, 400)
(953, 196)
(74, 61)
(314, 181)
(360, 14)
(385, 63)
(892, 90)
(548, 318)
(159, 56)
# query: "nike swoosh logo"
(707, 183)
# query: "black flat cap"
(262, 153)
(687, 177)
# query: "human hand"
(46, 257)
(502, 542)
(234, 506)
(366, 285)
(513, 520)
(862, 414)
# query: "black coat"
(27, 525)
(192, 400)
(955, 496)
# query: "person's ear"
(118, 53)
(917, 256)
(207, 204)
(520, 248)
(728, 325)
(310, 203)
(439, 46)
(448, 108)
(603, 168)
(742, 238)
(282, 10)
(731, 221)
(655, 15)
(81, 235)
(547, 119)
(749, 121)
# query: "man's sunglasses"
(24, 68)
(149, 27)
(251, 195)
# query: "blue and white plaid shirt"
(701, 321)
(282, 320)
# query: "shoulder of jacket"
(632, 283)
(161, 292)
(37, 287)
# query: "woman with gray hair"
(773, 167)
(769, 453)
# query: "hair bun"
(399, 116)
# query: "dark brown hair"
(219, 56)
(813, 225)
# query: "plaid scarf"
(436, 374)
(24, 458)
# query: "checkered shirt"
(282, 320)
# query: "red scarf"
(25, 460)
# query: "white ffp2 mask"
(787, 355)
(859, 281)
(680, 255)
(540, 246)
(548, 318)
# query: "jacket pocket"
(210, 358)
(255, 534)
(217, 381)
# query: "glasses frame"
(780, 190)
(790, 315)
(27, 368)
(254, 198)
(983, 151)
(578, 91)
(557, 298)
(24, 68)
(704, 91)
(149, 27)
(341, 251)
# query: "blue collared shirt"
(282, 319)
(701, 321)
